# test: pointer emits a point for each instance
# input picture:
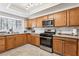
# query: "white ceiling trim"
(54, 9)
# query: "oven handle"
(45, 37)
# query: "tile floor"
(27, 50)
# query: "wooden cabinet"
(60, 18)
(29, 38)
(36, 40)
(45, 17)
(57, 45)
(34, 23)
(78, 48)
(65, 46)
(74, 16)
(40, 19)
(20, 40)
(10, 42)
(2, 44)
(29, 23)
(70, 47)
(51, 16)
(39, 22)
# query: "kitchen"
(50, 29)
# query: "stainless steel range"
(46, 41)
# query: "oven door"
(46, 41)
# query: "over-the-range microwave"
(48, 23)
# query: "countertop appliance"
(48, 23)
(46, 41)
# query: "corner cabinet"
(74, 16)
(60, 18)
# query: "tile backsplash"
(62, 30)
(67, 30)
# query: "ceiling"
(32, 10)
(24, 9)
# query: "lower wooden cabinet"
(36, 40)
(20, 40)
(70, 47)
(24, 37)
(2, 44)
(57, 45)
(29, 38)
(78, 47)
(65, 46)
(10, 42)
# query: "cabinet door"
(57, 45)
(37, 40)
(34, 23)
(24, 39)
(78, 47)
(70, 47)
(40, 19)
(45, 17)
(39, 22)
(10, 42)
(2, 44)
(60, 18)
(33, 39)
(29, 23)
(51, 16)
(19, 40)
(29, 38)
(74, 17)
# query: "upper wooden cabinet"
(40, 19)
(34, 22)
(74, 16)
(45, 17)
(51, 16)
(39, 22)
(29, 23)
(60, 18)
(64, 18)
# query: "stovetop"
(47, 34)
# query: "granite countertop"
(18, 33)
(68, 36)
